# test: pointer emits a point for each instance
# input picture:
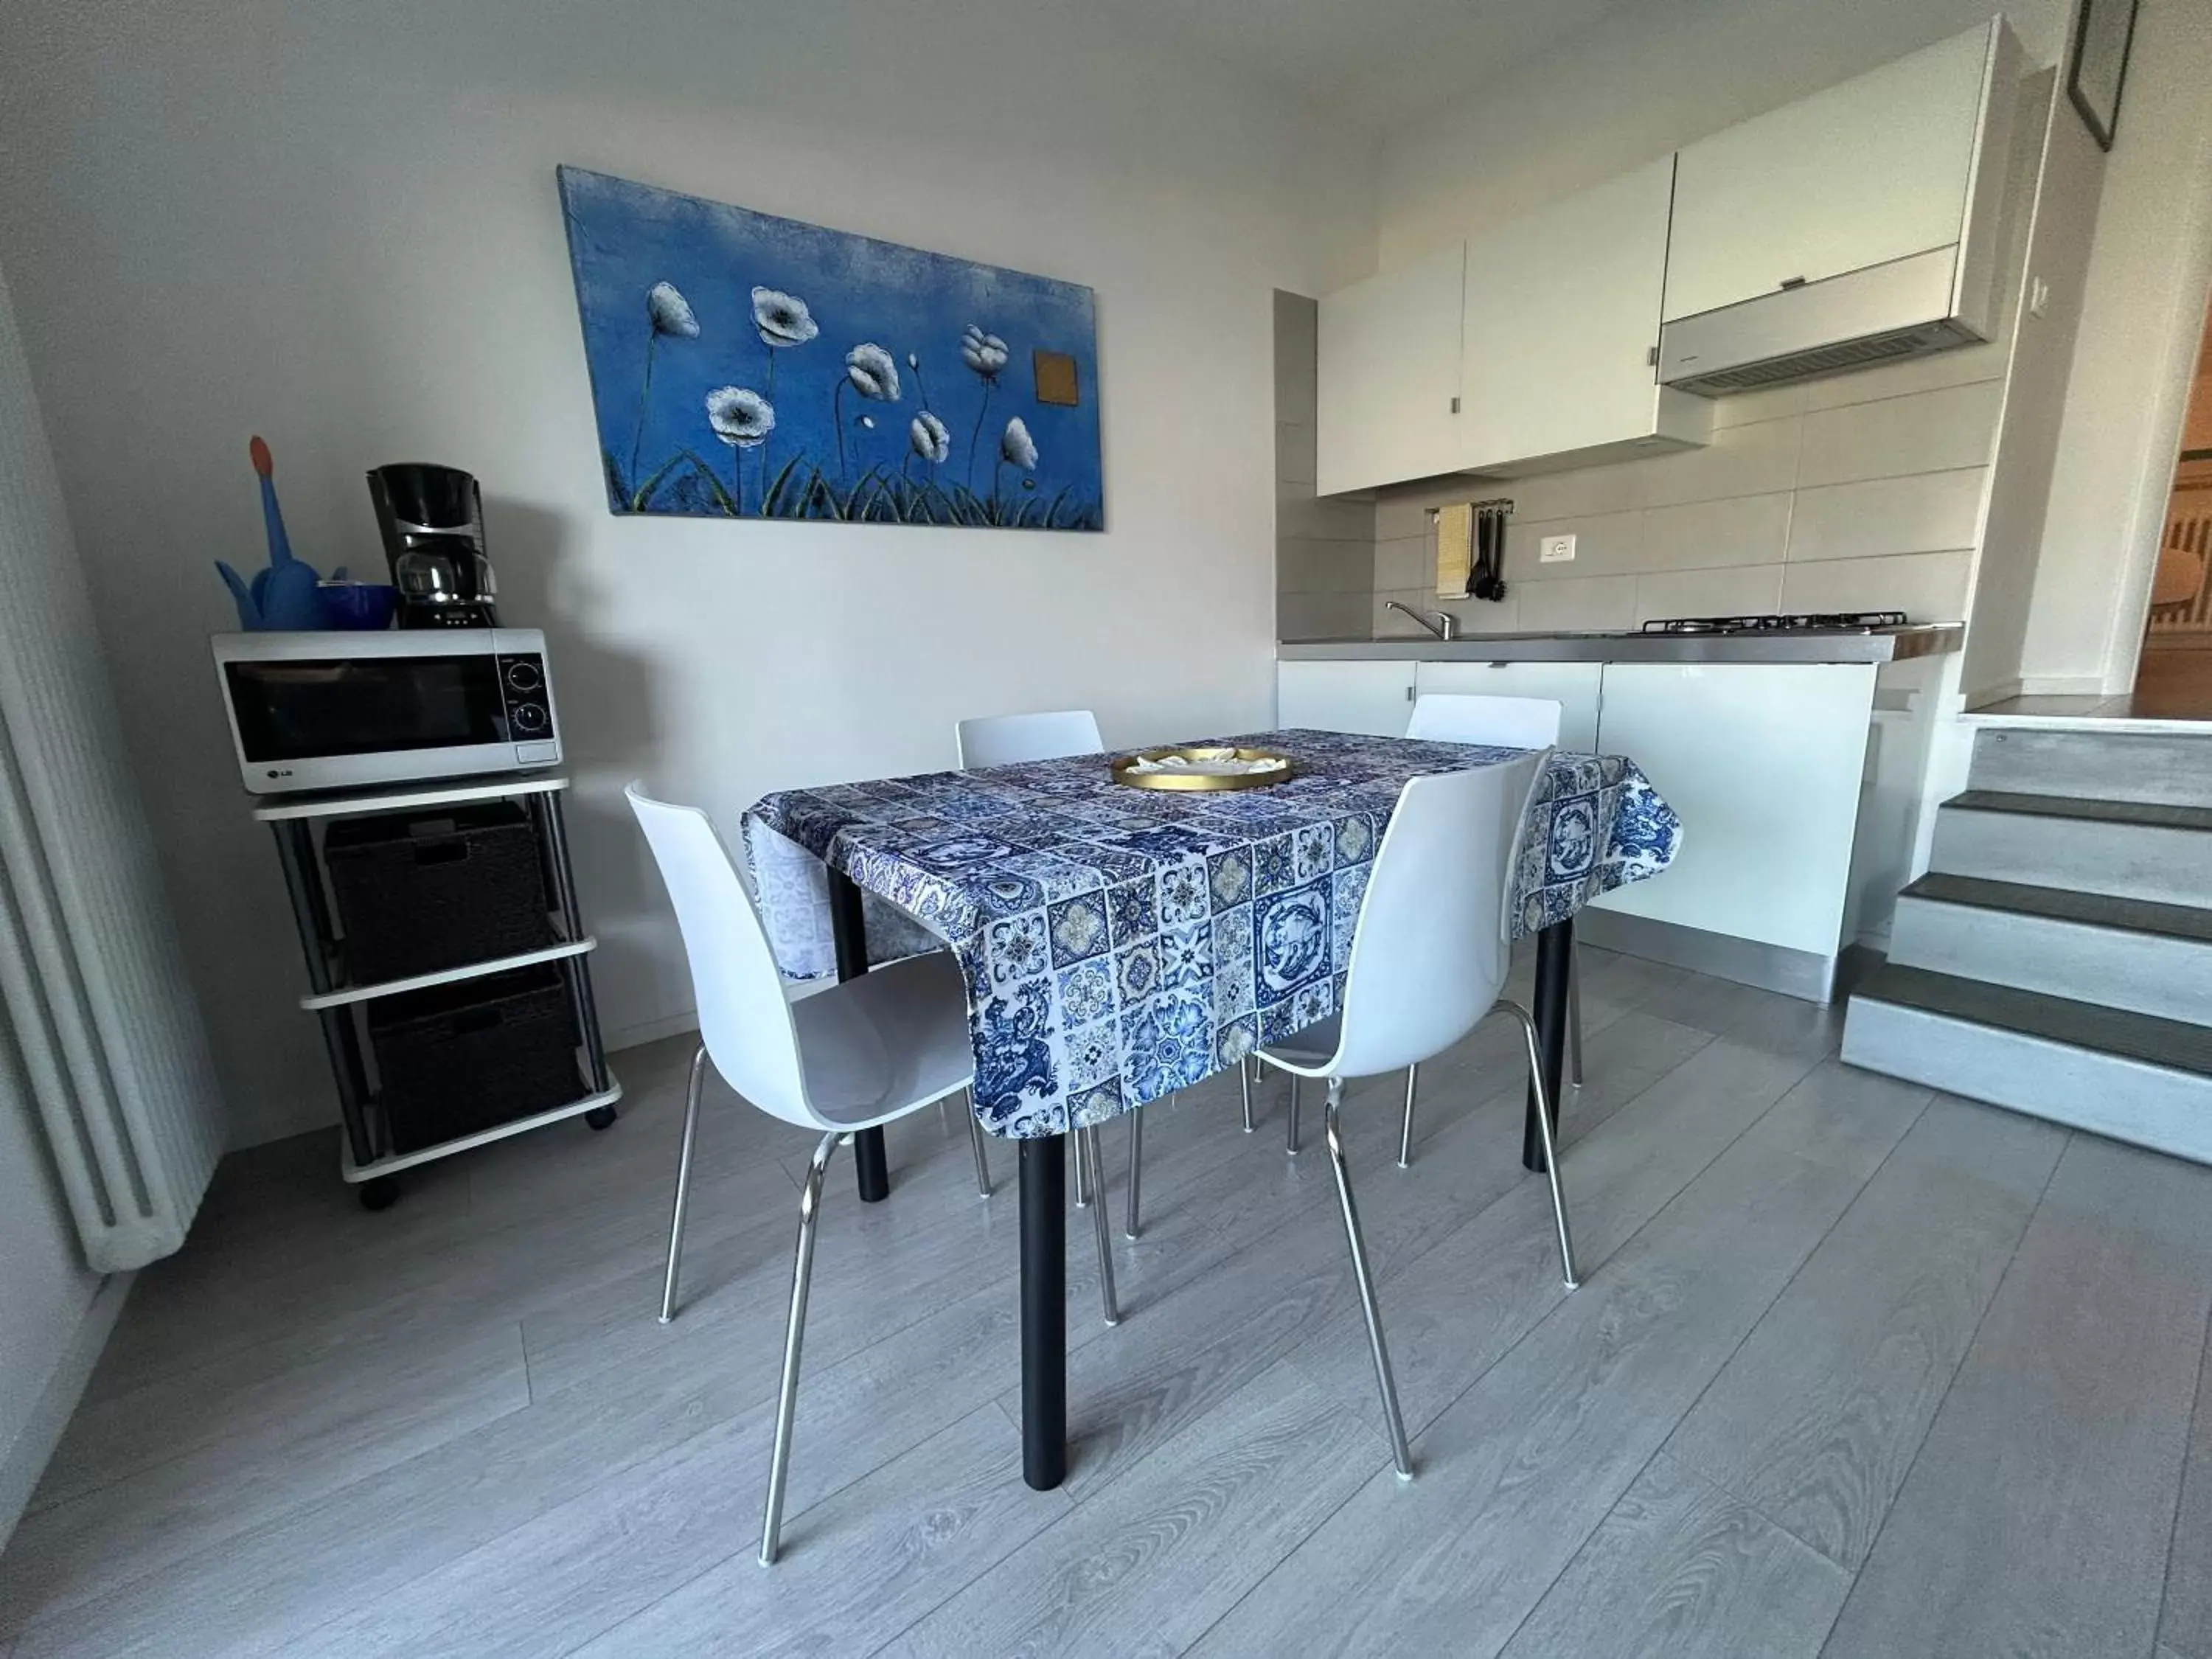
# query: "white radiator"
(96, 1015)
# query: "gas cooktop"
(1813, 621)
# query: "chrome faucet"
(1442, 623)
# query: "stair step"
(2175, 767)
(2087, 947)
(2161, 814)
(2131, 1076)
(2172, 1043)
(2153, 851)
(2090, 909)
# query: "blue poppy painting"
(748, 367)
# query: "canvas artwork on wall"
(744, 365)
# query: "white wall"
(1645, 80)
(336, 226)
(46, 1289)
(2071, 169)
(2142, 314)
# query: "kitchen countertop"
(1811, 645)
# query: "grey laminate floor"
(1855, 1370)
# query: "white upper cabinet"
(1562, 320)
(1877, 169)
(1542, 342)
(1389, 374)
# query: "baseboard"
(26, 1459)
(1746, 961)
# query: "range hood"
(1904, 308)
(1859, 226)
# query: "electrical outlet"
(1555, 550)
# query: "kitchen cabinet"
(1763, 762)
(1880, 168)
(1388, 374)
(1561, 323)
(1573, 685)
(1375, 699)
(1531, 346)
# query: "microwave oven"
(344, 710)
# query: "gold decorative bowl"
(1125, 769)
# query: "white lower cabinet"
(1573, 685)
(1375, 699)
(1763, 762)
(1768, 765)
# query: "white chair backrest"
(1506, 722)
(745, 1019)
(1431, 951)
(1007, 739)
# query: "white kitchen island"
(1796, 762)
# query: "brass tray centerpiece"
(1202, 766)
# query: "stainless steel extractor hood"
(1877, 205)
(1904, 308)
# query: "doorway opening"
(2174, 676)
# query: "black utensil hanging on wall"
(1488, 581)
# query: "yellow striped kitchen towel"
(1454, 549)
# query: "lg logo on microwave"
(278, 772)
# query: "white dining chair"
(851, 1057)
(1428, 956)
(1009, 740)
(1501, 723)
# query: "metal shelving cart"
(366, 1159)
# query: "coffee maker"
(432, 521)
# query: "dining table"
(1120, 944)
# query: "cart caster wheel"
(381, 1192)
(600, 1117)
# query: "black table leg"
(848, 931)
(1555, 956)
(1044, 1311)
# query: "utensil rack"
(366, 1159)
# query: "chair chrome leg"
(1293, 1143)
(1136, 1170)
(1551, 1151)
(787, 1400)
(1082, 1176)
(1575, 1018)
(1332, 1134)
(682, 1183)
(976, 1140)
(1086, 1149)
(1406, 1128)
(1245, 1068)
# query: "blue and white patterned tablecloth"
(1121, 944)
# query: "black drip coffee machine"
(432, 521)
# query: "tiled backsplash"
(1324, 549)
(1859, 493)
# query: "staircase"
(2056, 957)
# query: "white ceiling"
(1374, 63)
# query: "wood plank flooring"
(1854, 1370)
